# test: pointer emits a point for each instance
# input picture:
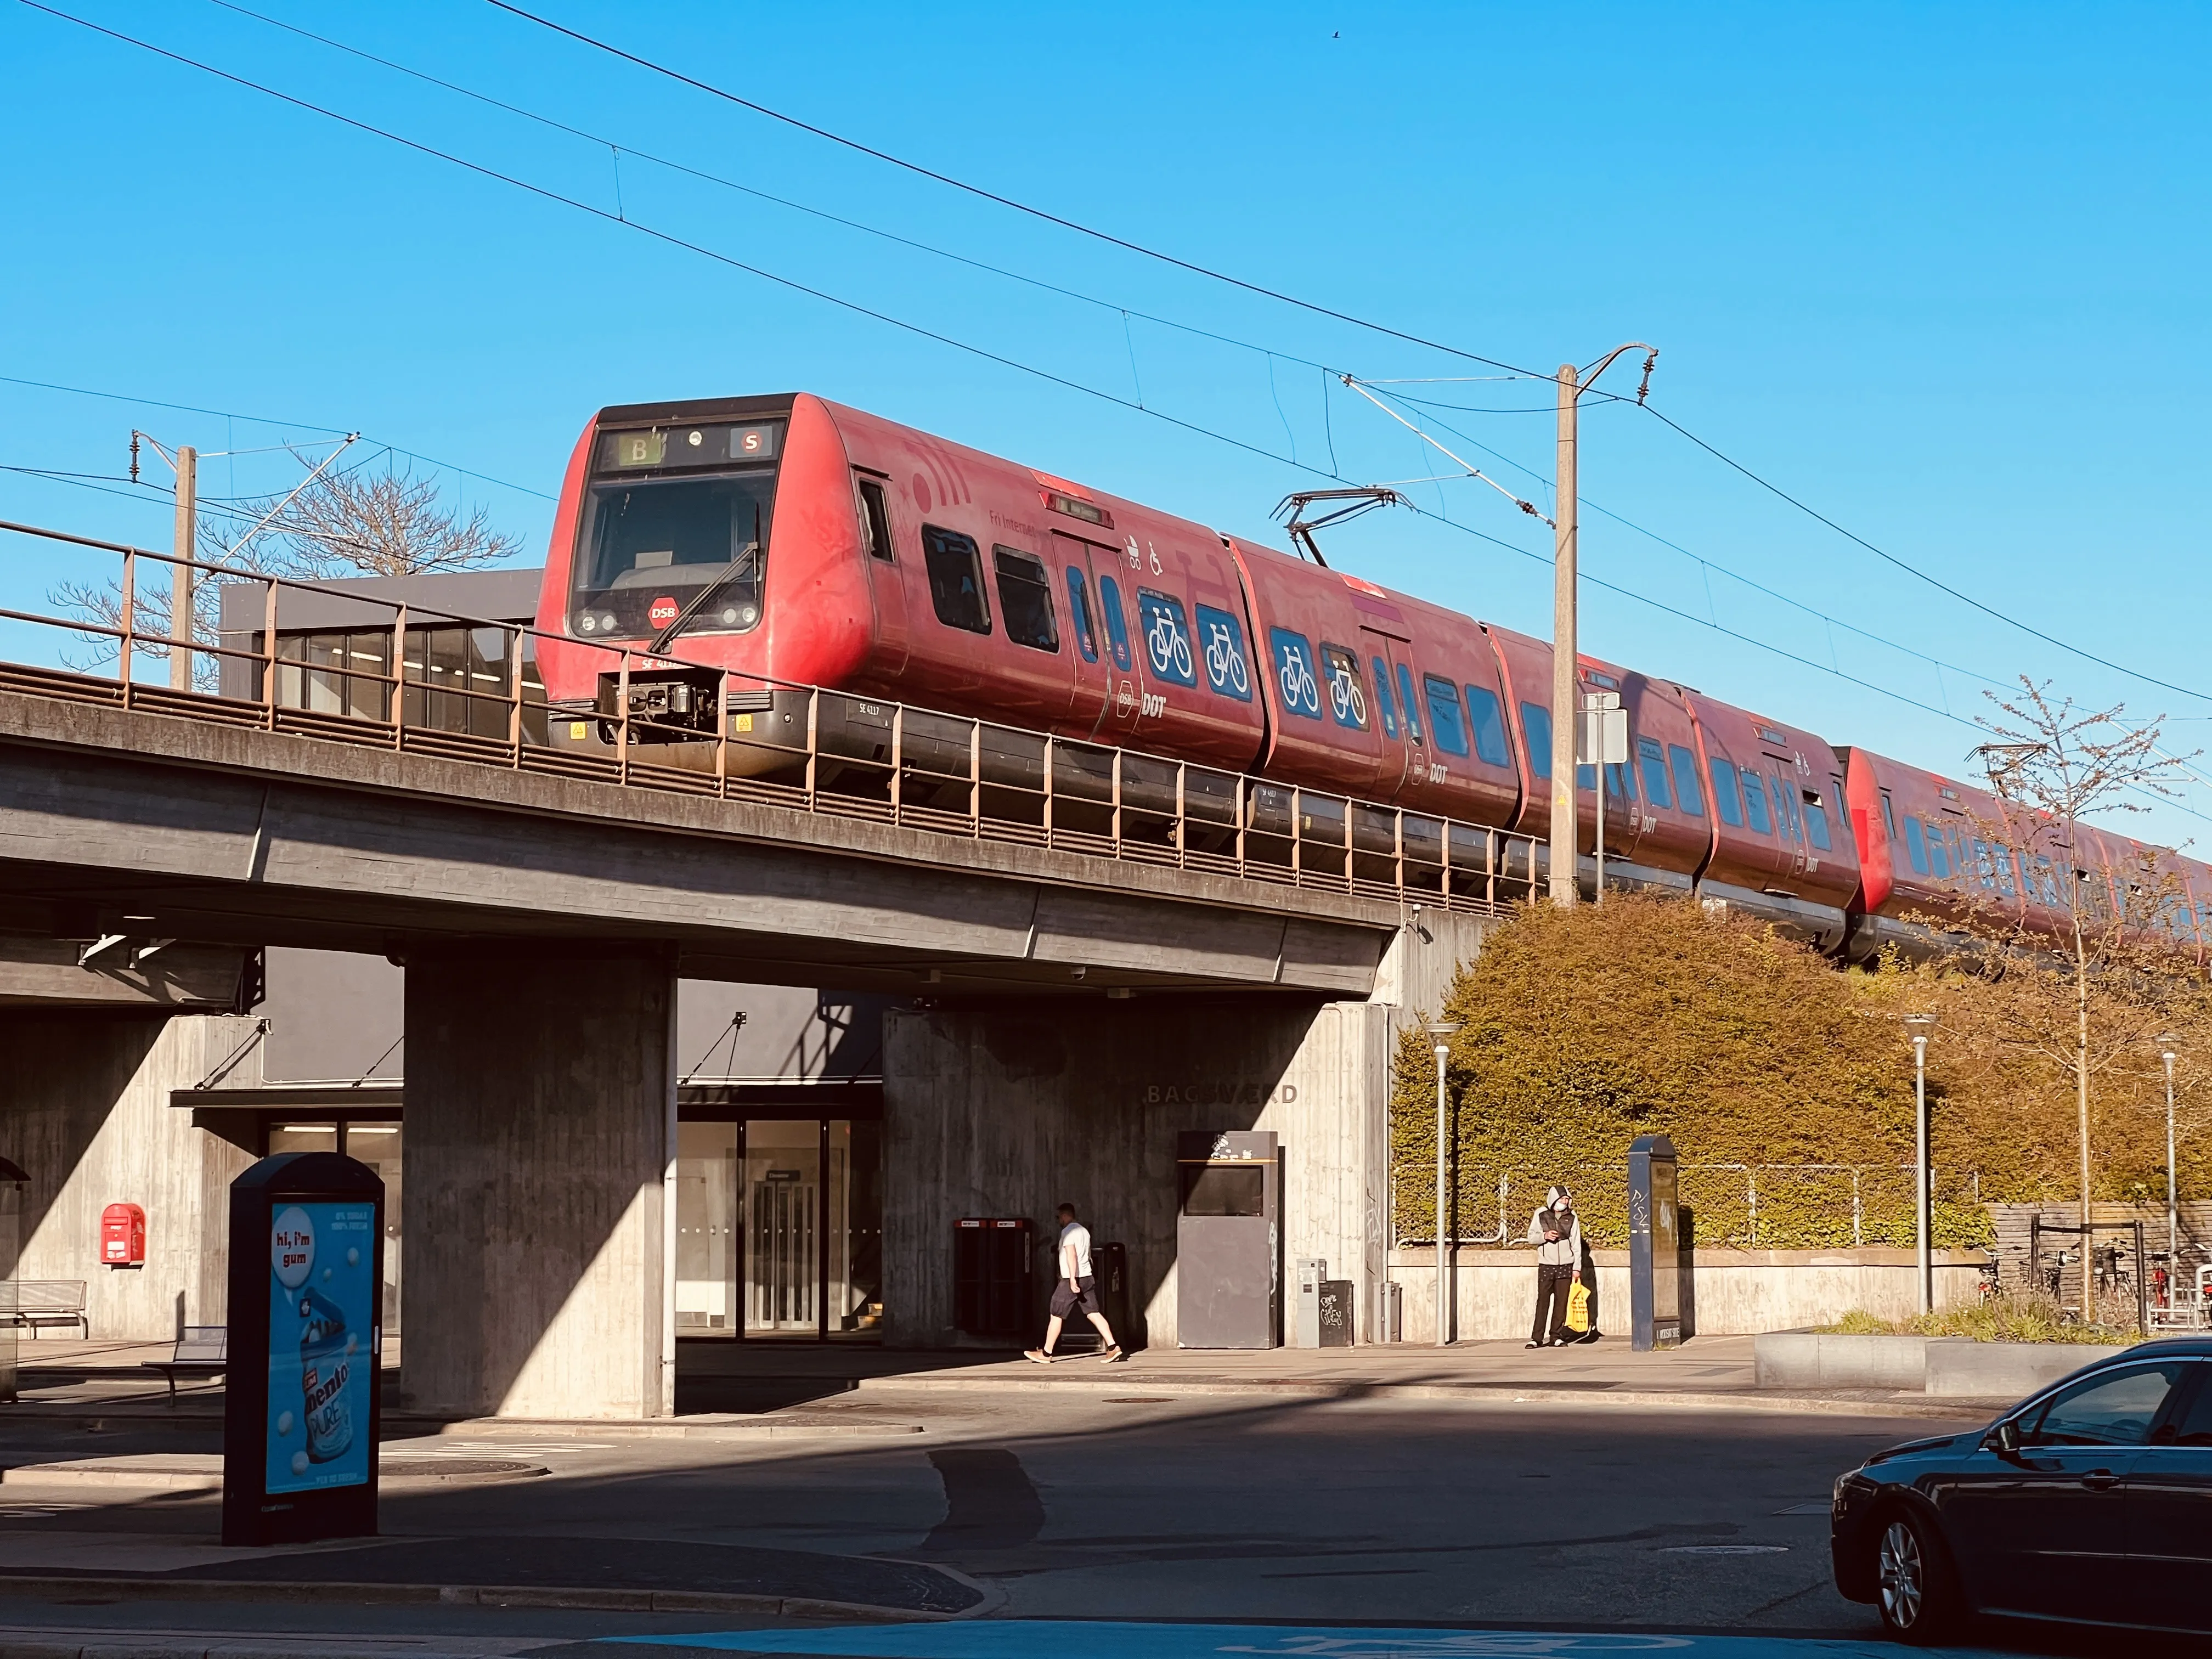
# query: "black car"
(2090, 1501)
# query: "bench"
(36, 1302)
(202, 1351)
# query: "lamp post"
(1566, 709)
(1442, 1032)
(1920, 1025)
(2166, 1047)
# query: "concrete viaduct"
(1070, 1012)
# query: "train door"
(1109, 675)
(1788, 810)
(879, 541)
(1405, 745)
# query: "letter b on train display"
(306, 1328)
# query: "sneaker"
(1112, 1356)
(1532, 1344)
(1039, 1355)
(1588, 1336)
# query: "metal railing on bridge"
(466, 688)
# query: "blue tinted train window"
(1297, 685)
(1536, 733)
(2185, 922)
(1221, 644)
(1755, 803)
(1167, 638)
(2001, 858)
(1816, 821)
(1406, 702)
(1446, 722)
(1939, 856)
(1079, 607)
(1654, 759)
(1489, 722)
(1726, 800)
(1117, 622)
(1786, 813)
(1916, 845)
(1621, 781)
(1687, 789)
(1889, 817)
(1348, 692)
(1384, 700)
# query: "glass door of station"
(779, 1229)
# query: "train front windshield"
(675, 528)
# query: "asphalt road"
(1241, 1508)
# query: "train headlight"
(730, 613)
(748, 615)
(588, 622)
(607, 622)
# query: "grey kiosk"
(1655, 1246)
(300, 1411)
(1228, 1240)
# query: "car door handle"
(2100, 1480)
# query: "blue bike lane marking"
(1081, 1638)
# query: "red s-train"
(907, 568)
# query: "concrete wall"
(88, 1117)
(540, 1112)
(1732, 1293)
(1419, 963)
(1008, 1111)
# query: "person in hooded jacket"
(1556, 1232)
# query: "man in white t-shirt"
(1074, 1290)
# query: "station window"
(1347, 699)
(1536, 733)
(955, 578)
(1816, 822)
(1079, 608)
(1117, 623)
(1167, 638)
(1755, 803)
(1916, 846)
(1025, 598)
(1406, 702)
(1488, 719)
(1654, 766)
(1385, 704)
(1447, 720)
(1221, 642)
(1687, 790)
(1296, 684)
(1727, 799)
(876, 521)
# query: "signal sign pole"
(180, 576)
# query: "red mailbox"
(123, 1235)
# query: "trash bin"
(1336, 1313)
(993, 1280)
(1109, 1272)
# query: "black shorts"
(1083, 1300)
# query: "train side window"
(1079, 608)
(1488, 719)
(1446, 722)
(1536, 731)
(1117, 622)
(1296, 684)
(1221, 642)
(2001, 857)
(1347, 698)
(1167, 637)
(1785, 815)
(1025, 598)
(1406, 702)
(1939, 856)
(1654, 759)
(1687, 790)
(1816, 821)
(1726, 799)
(955, 578)
(1889, 817)
(1755, 803)
(1385, 704)
(876, 521)
(1621, 781)
(2185, 922)
(1916, 846)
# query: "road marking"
(1811, 1506)
(1726, 1549)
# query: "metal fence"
(1771, 1206)
(661, 722)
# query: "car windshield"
(647, 548)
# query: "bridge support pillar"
(541, 1111)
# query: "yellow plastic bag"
(1578, 1307)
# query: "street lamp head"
(1920, 1024)
(2168, 1044)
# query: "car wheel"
(1914, 1586)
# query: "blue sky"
(1936, 270)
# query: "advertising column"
(301, 1413)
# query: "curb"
(1488, 1394)
(397, 1427)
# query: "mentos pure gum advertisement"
(322, 1312)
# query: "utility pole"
(181, 574)
(1566, 705)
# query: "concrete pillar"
(1006, 1112)
(84, 1110)
(541, 1111)
(1417, 970)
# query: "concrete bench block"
(1959, 1367)
(1808, 1359)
